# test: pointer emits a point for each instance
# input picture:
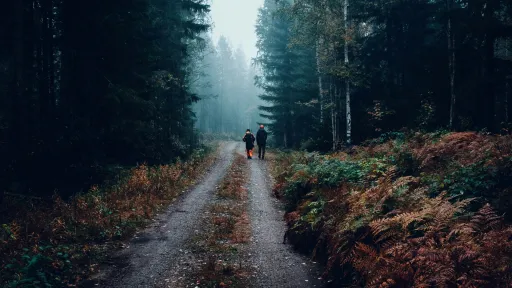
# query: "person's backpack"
(249, 137)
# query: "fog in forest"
(225, 74)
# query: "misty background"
(224, 71)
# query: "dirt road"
(153, 252)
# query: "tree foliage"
(88, 85)
(287, 78)
(415, 64)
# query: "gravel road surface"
(153, 255)
(152, 251)
(277, 265)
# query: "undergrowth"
(60, 244)
(405, 210)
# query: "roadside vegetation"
(404, 210)
(60, 243)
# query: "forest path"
(157, 256)
(277, 265)
(152, 251)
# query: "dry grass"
(232, 187)
(230, 229)
(241, 231)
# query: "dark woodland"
(389, 132)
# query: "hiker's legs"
(263, 152)
(248, 153)
(259, 151)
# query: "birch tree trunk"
(333, 114)
(221, 104)
(320, 86)
(347, 81)
(336, 108)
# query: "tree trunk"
(451, 64)
(49, 66)
(488, 95)
(347, 81)
(507, 87)
(320, 86)
(42, 54)
(506, 102)
(336, 107)
(339, 116)
(333, 114)
(51, 59)
(18, 86)
(285, 138)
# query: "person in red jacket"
(249, 143)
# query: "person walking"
(261, 139)
(249, 143)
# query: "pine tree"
(288, 77)
(89, 85)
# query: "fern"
(485, 219)
(391, 231)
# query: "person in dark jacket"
(261, 139)
(249, 143)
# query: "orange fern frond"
(485, 219)
(403, 220)
(367, 250)
(365, 258)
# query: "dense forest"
(389, 134)
(339, 72)
(85, 87)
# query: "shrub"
(470, 181)
(332, 172)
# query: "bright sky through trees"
(235, 19)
